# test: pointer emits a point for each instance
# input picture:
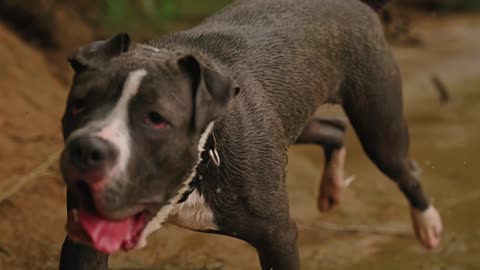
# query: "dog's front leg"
(77, 256)
(275, 238)
(278, 249)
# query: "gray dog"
(193, 129)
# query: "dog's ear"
(99, 52)
(211, 91)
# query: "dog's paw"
(330, 196)
(428, 226)
(326, 202)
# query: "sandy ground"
(370, 230)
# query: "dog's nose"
(91, 153)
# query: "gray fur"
(287, 58)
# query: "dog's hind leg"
(328, 133)
(373, 103)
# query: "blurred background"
(437, 43)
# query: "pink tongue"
(107, 235)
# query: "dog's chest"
(193, 214)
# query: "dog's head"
(135, 121)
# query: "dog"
(193, 129)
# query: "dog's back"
(279, 49)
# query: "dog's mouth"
(106, 235)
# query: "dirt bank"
(30, 108)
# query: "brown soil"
(30, 109)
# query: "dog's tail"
(376, 4)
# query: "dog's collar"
(209, 154)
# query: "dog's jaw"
(171, 207)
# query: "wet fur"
(287, 57)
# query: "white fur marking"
(193, 214)
(172, 208)
(116, 130)
(114, 127)
(428, 226)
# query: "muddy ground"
(370, 230)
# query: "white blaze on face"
(114, 127)
(116, 130)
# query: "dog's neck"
(206, 163)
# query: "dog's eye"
(78, 105)
(155, 120)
